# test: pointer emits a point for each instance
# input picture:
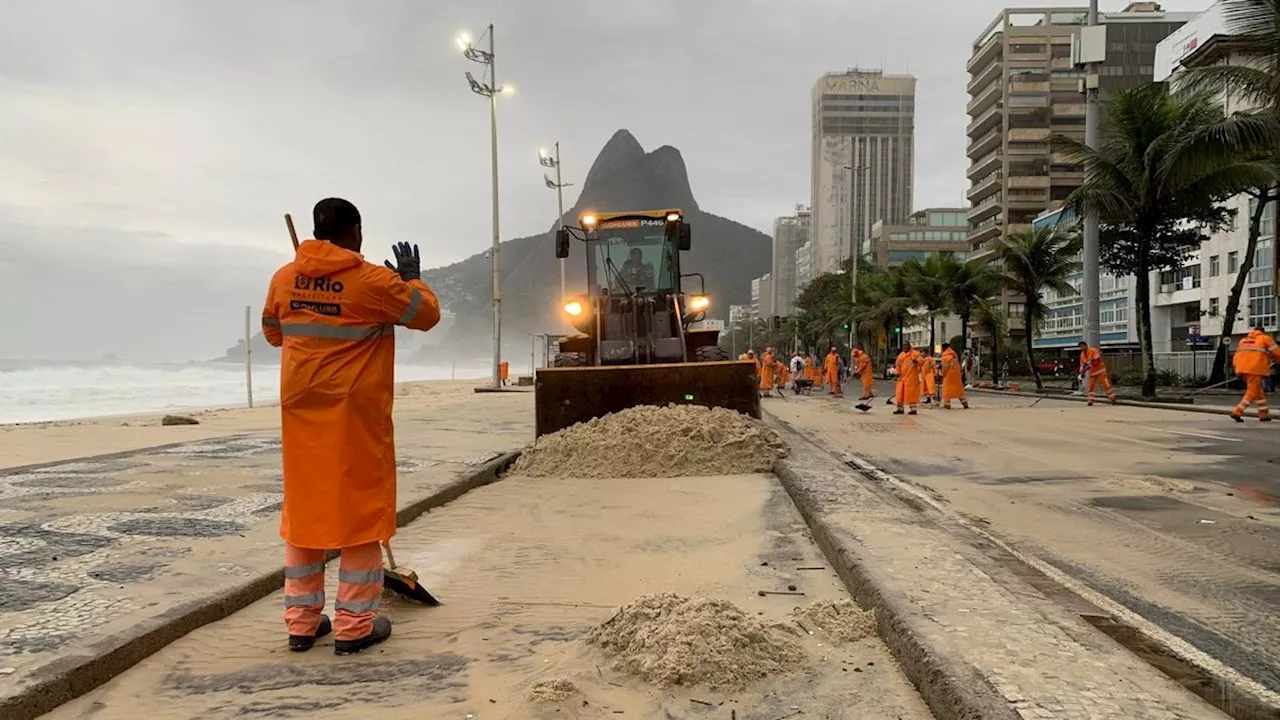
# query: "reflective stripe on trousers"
(1253, 393)
(359, 590)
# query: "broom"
(404, 582)
(401, 581)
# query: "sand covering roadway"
(529, 570)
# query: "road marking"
(1179, 647)
(1193, 434)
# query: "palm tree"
(1035, 262)
(883, 304)
(1166, 164)
(968, 283)
(988, 318)
(1254, 26)
(925, 284)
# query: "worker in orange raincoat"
(863, 370)
(832, 368)
(767, 369)
(909, 365)
(1095, 370)
(952, 378)
(335, 316)
(929, 377)
(1252, 362)
(813, 371)
(783, 374)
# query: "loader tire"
(710, 353)
(570, 359)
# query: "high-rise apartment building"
(790, 233)
(1024, 89)
(863, 159)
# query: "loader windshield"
(629, 258)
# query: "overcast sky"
(148, 148)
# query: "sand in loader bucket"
(668, 639)
(649, 441)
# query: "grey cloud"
(202, 122)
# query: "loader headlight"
(588, 220)
(698, 303)
(574, 308)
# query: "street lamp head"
(507, 90)
(478, 87)
(464, 41)
(542, 153)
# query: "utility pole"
(1092, 138)
(553, 161)
(490, 90)
(853, 252)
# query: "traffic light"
(846, 326)
(897, 331)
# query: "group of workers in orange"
(917, 377)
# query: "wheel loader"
(637, 343)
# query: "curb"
(951, 687)
(69, 678)
(1120, 401)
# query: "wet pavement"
(92, 550)
(1174, 516)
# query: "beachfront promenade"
(109, 529)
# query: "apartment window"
(1213, 307)
(1261, 270)
(1017, 309)
(1191, 313)
(1233, 262)
(1262, 306)
(1214, 266)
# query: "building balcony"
(985, 165)
(1068, 109)
(985, 144)
(1028, 181)
(985, 75)
(984, 98)
(984, 233)
(992, 118)
(1027, 203)
(1029, 134)
(988, 52)
(1029, 87)
(986, 209)
(1067, 178)
(983, 187)
(1061, 63)
(1020, 58)
(1018, 228)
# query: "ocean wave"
(71, 391)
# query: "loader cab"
(633, 257)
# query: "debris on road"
(649, 441)
(841, 619)
(552, 690)
(668, 639)
(178, 420)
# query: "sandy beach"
(46, 442)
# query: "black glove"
(408, 262)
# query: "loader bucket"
(566, 396)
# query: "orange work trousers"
(1102, 378)
(1253, 393)
(359, 590)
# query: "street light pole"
(853, 253)
(1092, 138)
(553, 161)
(491, 90)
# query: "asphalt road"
(1174, 515)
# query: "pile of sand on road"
(670, 639)
(648, 441)
(840, 619)
(553, 690)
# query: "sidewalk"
(104, 560)
(976, 640)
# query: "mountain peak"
(625, 177)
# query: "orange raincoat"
(766, 372)
(952, 379)
(928, 373)
(909, 364)
(832, 367)
(335, 316)
(1252, 362)
(862, 368)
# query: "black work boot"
(381, 631)
(303, 643)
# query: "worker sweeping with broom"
(334, 315)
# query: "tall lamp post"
(1092, 138)
(552, 160)
(490, 90)
(853, 253)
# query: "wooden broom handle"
(391, 559)
(293, 234)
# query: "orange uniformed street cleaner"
(335, 317)
(1252, 362)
